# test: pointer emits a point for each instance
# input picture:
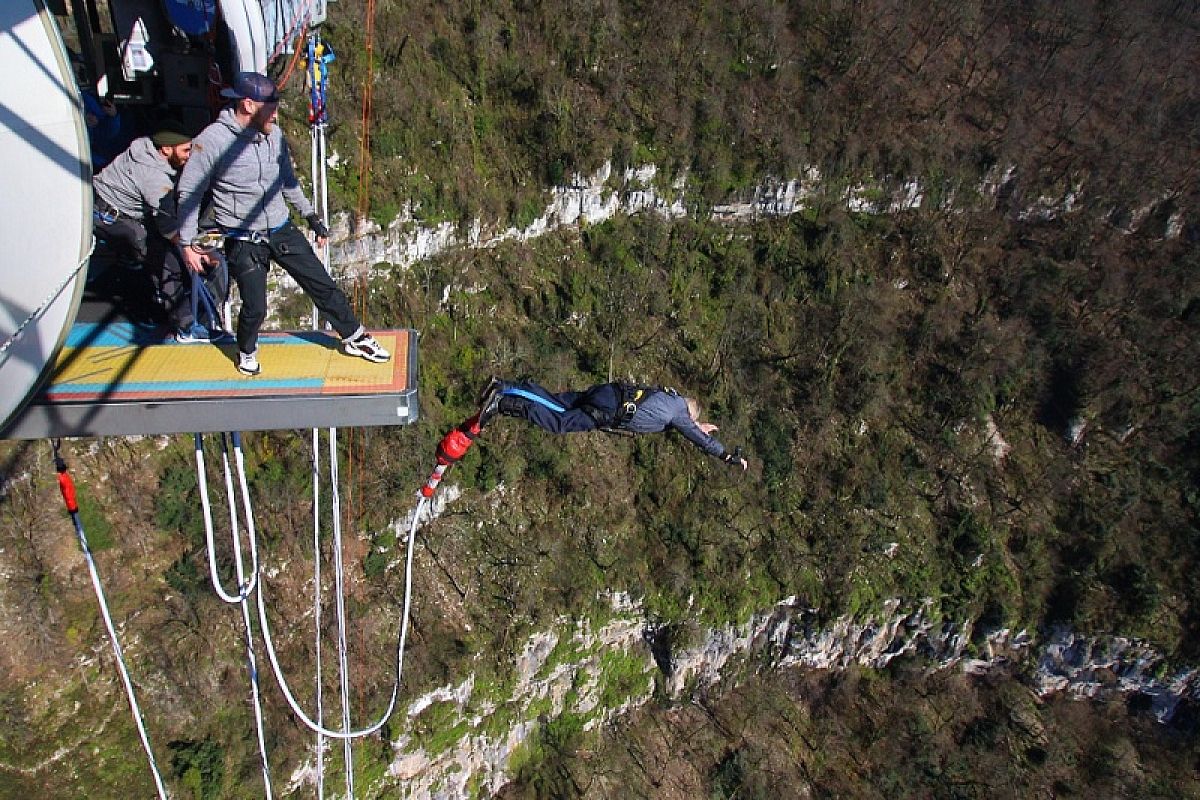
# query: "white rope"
(283, 685)
(316, 483)
(120, 656)
(245, 587)
(245, 604)
(340, 609)
(319, 176)
(37, 312)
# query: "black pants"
(566, 412)
(124, 237)
(248, 265)
(164, 284)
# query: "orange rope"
(364, 148)
(287, 72)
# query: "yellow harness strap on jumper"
(629, 405)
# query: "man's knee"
(126, 237)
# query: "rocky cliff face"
(471, 735)
(585, 200)
(590, 199)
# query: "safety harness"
(629, 395)
(253, 236)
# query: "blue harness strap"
(252, 236)
(202, 299)
(537, 398)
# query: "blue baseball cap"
(252, 86)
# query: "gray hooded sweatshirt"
(249, 173)
(140, 184)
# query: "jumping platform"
(122, 379)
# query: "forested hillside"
(480, 106)
(988, 402)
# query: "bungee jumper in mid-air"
(623, 408)
(612, 407)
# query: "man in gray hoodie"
(134, 213)
(244, 161)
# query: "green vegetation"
(440, 726)
(913, 734)
(869, 363)
(541, 762)
(622, 676)
(199, 767)
(96, 527)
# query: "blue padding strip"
(114, 334)
(123, 334)
(537, 398)
(182, 386)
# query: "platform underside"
(121, 379)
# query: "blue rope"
(201, 296)
(318, 83)
(537, 398)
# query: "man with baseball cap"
(244, 161)
(135, 214)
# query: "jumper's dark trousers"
(582, 411)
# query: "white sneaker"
(364, 345)
(194, 333)
(248, 363)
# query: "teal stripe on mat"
(124, 334)
(164, 387)
(114, 334)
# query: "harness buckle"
(104, 211)
(208, 240)
(252, 237)
(630, 396)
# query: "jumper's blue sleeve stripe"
(537, 398)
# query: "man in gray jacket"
(244, 161)
(134, 213)
(619, 407)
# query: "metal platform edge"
(45, 420)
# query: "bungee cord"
(312, 725)
(318, 56)
(246, 587)
(316, 491)
(316, 134)
(67, 487)
(340, 609)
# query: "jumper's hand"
(706, 427)
(734, 458)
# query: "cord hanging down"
(67, 487)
